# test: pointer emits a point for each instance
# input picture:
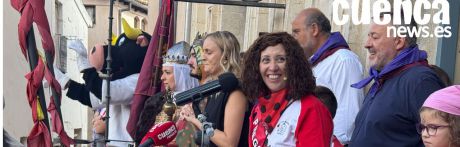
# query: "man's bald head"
(311, 29)
(311, 16)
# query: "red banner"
(34, 12)
(145, 85)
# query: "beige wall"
(180, 24)
(152, 15)
(99, 32)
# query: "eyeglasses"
(430, 128)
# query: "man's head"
(383, 48)
(442, 75)
(195, 59)
(326, 96)
(311, 28)
(176, 72)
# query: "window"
(144, 24)
(145, 2)
(61, 61)
(61, 43)
(136, 22)
(91, 9)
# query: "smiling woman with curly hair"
(278, 76)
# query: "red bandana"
(266, 115)
(327, 54)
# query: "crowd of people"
(300, 89)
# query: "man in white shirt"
(334, 65)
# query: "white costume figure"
(128, 54)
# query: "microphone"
(160, 134)
(81, 141)
(227, 82)
(198, 136)
(204, 137)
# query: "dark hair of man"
(442, 75)
(262, 33)
(300, 80)
(410, 40)
(326, 96)
(318, 18)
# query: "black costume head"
(127, 55)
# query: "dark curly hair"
(300, 80)
(153, 106)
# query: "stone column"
(232, 19)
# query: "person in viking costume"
(159, 108)
(128, 52)
(195, 60)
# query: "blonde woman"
(225, 110)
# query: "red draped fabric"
(39, 136)
(145, 85)
(34, 12)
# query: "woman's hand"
(98, 123)
(187, 110)
(142, 41)
(190, 117)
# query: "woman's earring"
(225, 60)
(285, 78)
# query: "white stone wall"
(17, 115)
(75, 26)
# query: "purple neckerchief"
(335, 40)
(407, 56)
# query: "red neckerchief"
(398, 71)
(327, 54)
(267, 113)
(336, 142)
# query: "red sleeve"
(314, 126)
